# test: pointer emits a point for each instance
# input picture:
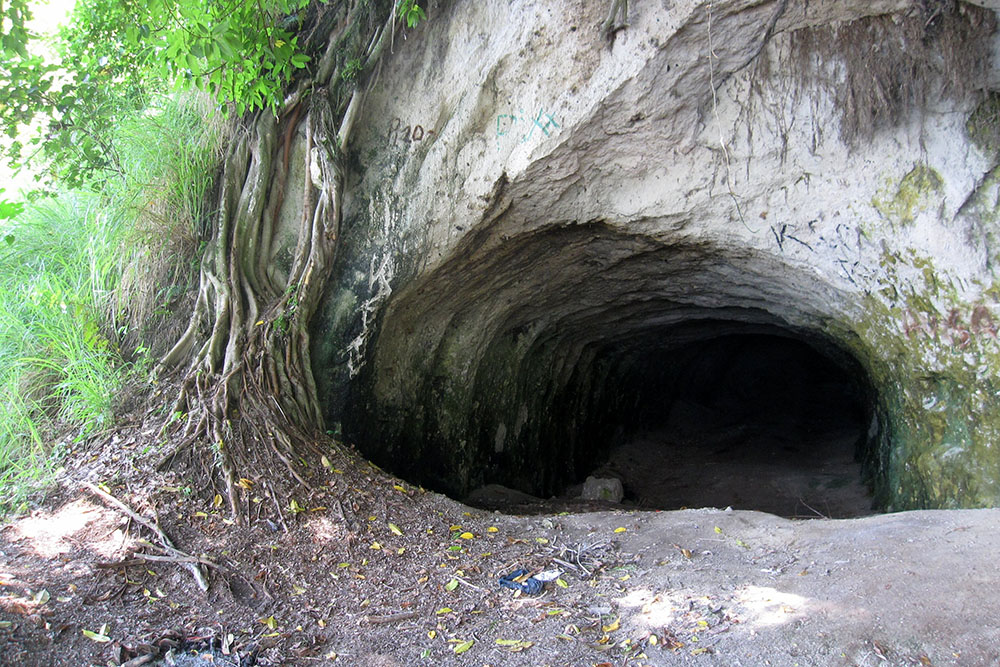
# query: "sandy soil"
(367, 570)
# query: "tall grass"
(58, 370)
(83, 275)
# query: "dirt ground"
(368, 570)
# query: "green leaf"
(463, 647)
(451, 585)
(96, 636)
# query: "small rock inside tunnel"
(751, 421)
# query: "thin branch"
(193, 567)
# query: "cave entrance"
(695, 375)
(759, 421)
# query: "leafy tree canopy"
(116, 52)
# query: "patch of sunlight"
(656, 608)
(73, 526)
(765, 606)
(324, 528)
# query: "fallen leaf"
(514, 645)
(541, 540)
(451, 585)
(40, 597)
(620, 529)
(467, 535)
(376, 546)
(718, 530)
(561, 583)
(217, 501)
(614, 625)
(463, 647)
(269, 622)
(399, 488)
(443, 610)
(326, 462)
(98, 637)
(394, 529)
(454, 528)
(201, 515)
(492, 529)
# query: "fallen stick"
(392, 618)
(193, 567)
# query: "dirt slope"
(372, 571)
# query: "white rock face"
(536, 199)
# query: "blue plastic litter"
(529, 586)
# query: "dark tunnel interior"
(585, 368)
(760, 421)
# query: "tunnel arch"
(524, 361)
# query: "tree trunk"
(247, 388)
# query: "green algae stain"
(920, 190)
(937, 376)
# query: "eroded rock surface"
(545, 216)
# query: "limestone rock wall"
(537, 209)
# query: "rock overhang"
(543, 200)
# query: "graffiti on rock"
(521, 128)
(403, 135)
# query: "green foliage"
(84, 275)
(115, 54)
(58, 366)
(9, 209)
(411, 12)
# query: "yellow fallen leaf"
(399, 488)
(298, 590)
(201, 515)
(492, 529)
(614, 625)
(451, 585)
(394, 529)
(401, 550)
(653, 640)
(443, 610)
(454, 528)
(432, 634)
(326, 462)
(269, 622)
(561, 583)
(463, 647)
(541, 540)
(217, 501)
(620, 529)
(466, 535)
(718, 530)
(376, 546)
(245, 483)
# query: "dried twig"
(193, 567)
(392, 618)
